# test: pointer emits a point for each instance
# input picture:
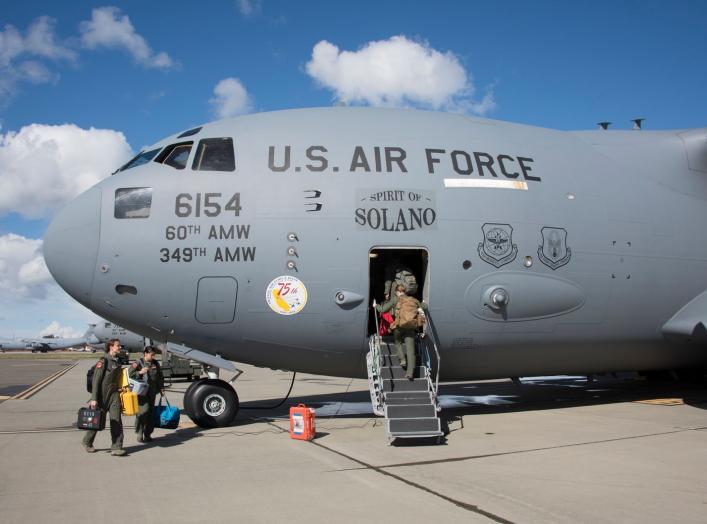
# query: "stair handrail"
(432, 331)
(374, 344)
(377, 343)
(374, 376)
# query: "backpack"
(407, 279)
(386, 324)
(406, 314)
(89, 375)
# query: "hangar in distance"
(264, 239)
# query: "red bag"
(384, 327)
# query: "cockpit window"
(142, 158)
(190, 132)
(214, 154)
(133, 202)
(175, 155)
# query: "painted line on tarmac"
(26, 431)
(533, 450)
(662, 401)
(464, 505)
(62, 429)
(27, 393)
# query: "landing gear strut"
(211, 403)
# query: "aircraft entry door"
(384, 263)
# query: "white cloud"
(29, 297)
(40, 41)
(231, 98)
(397, 72)
(43, 167)
(20, 55)
(36, 72)
(109, 28)
(250, 7)
(56, 329)
(23, 273)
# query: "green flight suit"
(400, 336)
(105, 391)
(144, 420)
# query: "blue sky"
(144, 70)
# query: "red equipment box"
(302, 423)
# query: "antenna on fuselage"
(637, 123)
(604, 125)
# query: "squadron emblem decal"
(554, 252)
(497, 248)
(286, 295)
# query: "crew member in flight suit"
(105, 395)
(392, 271)
(402, 335)
(148, 369)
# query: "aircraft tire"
(211, 403)
(188, 395)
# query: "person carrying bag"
(147, 369)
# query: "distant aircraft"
(104, 331)
(44, 344)
(264, 239)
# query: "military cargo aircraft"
(104, 331)
(45, 344)
(265, 239)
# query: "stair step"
(414, 427)
(393, 360)
(403, 384)
(399, 372)
(403, 401)
(410, 411)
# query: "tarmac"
(550, 450)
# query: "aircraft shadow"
(459, 400)
(471, 398)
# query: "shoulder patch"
(99, 364)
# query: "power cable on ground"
(292, 383)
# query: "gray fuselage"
(597, 239)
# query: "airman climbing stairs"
(410, 407)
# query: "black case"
(91, 419)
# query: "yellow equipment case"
(128, 402)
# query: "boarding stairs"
(410, 407)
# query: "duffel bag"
(166, 416)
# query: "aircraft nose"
(71, 244)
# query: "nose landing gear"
(211, 403)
